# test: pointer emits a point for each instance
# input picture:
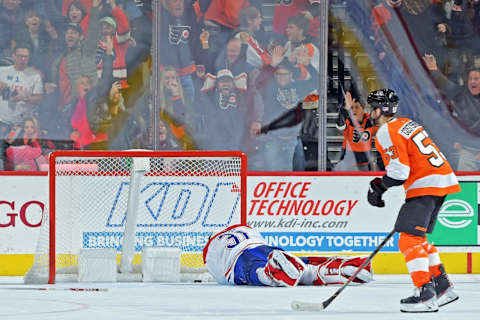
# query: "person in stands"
(358, 132)
(28, 148)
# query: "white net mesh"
(181, 201)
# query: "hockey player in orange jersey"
(413, 160)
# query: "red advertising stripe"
(469, 262)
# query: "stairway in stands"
(339, 73)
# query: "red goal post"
(129, 200)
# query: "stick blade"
(306, 306)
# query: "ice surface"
(377, 300)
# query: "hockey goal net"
(129, 200)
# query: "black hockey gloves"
(264, 129)
(375, 192)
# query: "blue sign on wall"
(325, 242)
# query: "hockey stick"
(313, 306)
(54, 289)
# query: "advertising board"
(457, 222)
(178, 211)
(299, 213)
(22, 202)
(320, 213)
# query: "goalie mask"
(384, 99)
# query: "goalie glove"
(283, 269)
(337, 270)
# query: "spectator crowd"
(76, 74)
(70, 77)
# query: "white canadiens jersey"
(223, 249)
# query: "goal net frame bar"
(129, 153)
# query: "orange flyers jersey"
(359, 139)
(409, 154)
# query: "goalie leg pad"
(284, 268)
(337, 270)
(350, 266)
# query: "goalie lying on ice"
(239, 255)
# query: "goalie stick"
(314, 306)
(53, 289)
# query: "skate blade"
(447, 297)
(407, 311)
(427, 306)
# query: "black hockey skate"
(444, 289)
(424, 299)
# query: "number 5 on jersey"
(427, 147)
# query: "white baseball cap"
(224, 73)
